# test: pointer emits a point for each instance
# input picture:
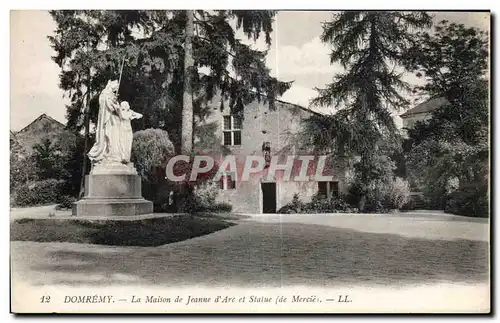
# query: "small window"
(328, 189)
(232, 131)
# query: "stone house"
(421, 112)
(43, 127)
(260, 131)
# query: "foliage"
(450, 57)
(399, 193)
(150, 149)
(203, 199)
(451, 149)
(91, 44)
(369, 46)
(66, 202)
(334, 204)
(318, 204)
(46, 191)
(470, 200)
(373, 176)
(47, 160)
(295, 206)
(21, 165)
(60, 158)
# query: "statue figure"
(126, 134)
(113, 134)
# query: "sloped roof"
(289, 104)
(41, 117)
(425, 107)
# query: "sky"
(296, 54)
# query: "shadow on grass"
(146, 232)
(266, 255)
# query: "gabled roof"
(298, 106)
(425, 107)
(41, 117)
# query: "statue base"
(112, 195)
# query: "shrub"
(66, 202)
(150, 149)
(470, 200)
(40, 192)
(318, 204)
(202, 198)
(398, 194)
(21, 166)
(295, 206)
(222, 207)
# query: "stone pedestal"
(112, 191)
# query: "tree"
(150, 150)
(369, 46)
(21, 167)
(452, 146)
(153, 44)
(187, 99)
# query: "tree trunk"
(86, 122)
(187, 102)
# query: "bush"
(470, 200)
(399, 193)
(202, 198)
(295, 206)
(66, 202)
(150, 149)
(40, 192)
(318, 204)
(333, 204)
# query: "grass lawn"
(146, 232)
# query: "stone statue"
(111, 151)
(126, 134)
(113, 187)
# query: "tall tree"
(154, 45)
(369, 46)
(161, 79)
(187, 100)
(454, 144)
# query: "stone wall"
(281, 128)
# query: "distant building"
(260, 131)
(39, 129)
(421, 112)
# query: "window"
(232, 131)
(328, 189)
(227, 182)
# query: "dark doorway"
(268, 197)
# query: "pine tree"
(153, 44)
(369, 46)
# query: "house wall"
(409, 121)
(280, 127)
